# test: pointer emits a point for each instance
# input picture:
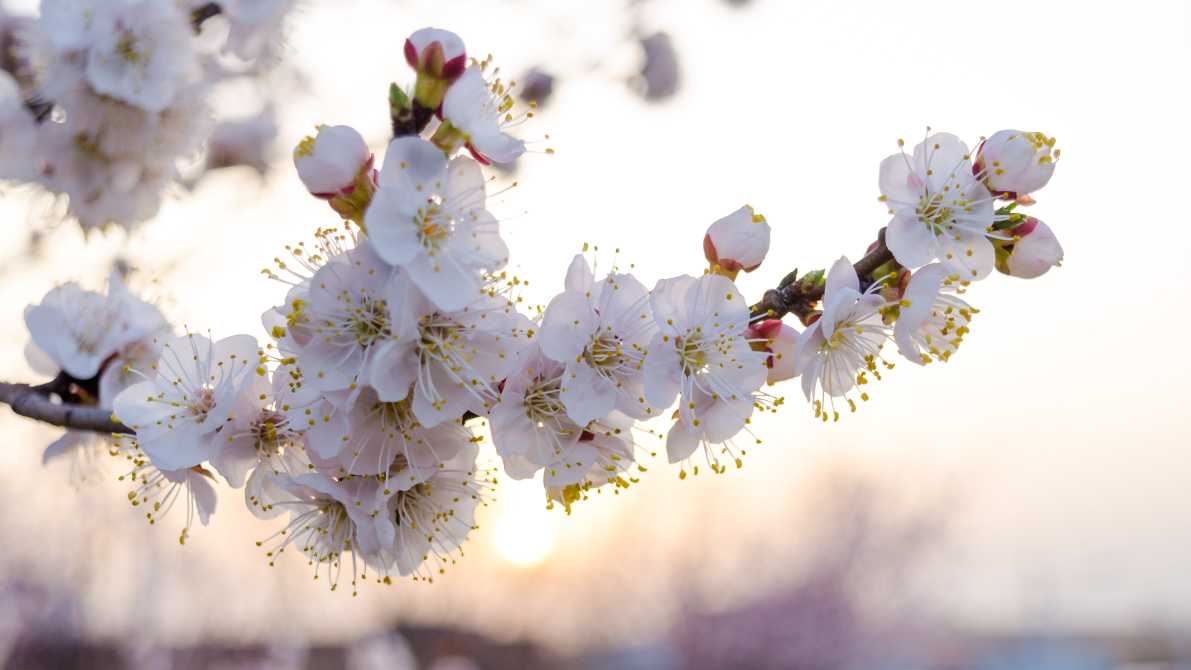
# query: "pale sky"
(1058, 434)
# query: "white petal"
(567, 326)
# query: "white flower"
(940, 210)
(701, 353)
(440, 53)
(780, 341)
(195, 392)
(157, 491)
(79, 330)
(428, 217)
(600, 331)
(1035, 250)
(255, 26)
(331, 516)
(480, 111)
(1016, 163)
(329, 163)
(835, 353)
(531, 429)
(738, 241)
(385, 439)
(141, 52)
(70, 327)
(434, 517)
(261, 434)
(931, 322)
(333, 326)
(454, 359)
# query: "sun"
(524, 531)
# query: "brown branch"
(799, 298)
(29, 401)
(200, 14)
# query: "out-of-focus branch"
(796, 297)
(34, 402)
(204, 12)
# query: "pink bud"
(738, 241)
(780, 340)
(436, 52)
(1037, 250)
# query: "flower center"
(434, 226)
(126, 49)
(543, 402)
(396, 416)
(369, 322)
(203, 404)
(692, 352)
(604, 353)
(438, 340)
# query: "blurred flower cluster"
(401, 331)
(106, 101)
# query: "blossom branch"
(34, 402)
(799, 297)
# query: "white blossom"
(940, 209)
(702, 356)
(384, 439)
(738, 241)
(329, 163)
(835, 354)
(435, 516)
(334, 325)
(158, 491)
(931, 320)
(80, 330)
(428, 217)
(600, 332)
(194, 393)
(329, 517)
(454, 360)
(1035, 250)
(141, 52)
(480, 111)
(1016, 162)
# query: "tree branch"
(799, 298)
(35, 403)
(790, 297)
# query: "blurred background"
(1027, 505)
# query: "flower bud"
(336, 166)
(738, 241)
(329, 162)
(1016, 163)
(439, 57)
(779, 342)
(1035, 250)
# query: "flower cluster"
(400, 332)
(117, 98)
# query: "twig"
(797, 297)
(29, 401)
(790, 297)
(202, 13)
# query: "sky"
(1055, 441)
